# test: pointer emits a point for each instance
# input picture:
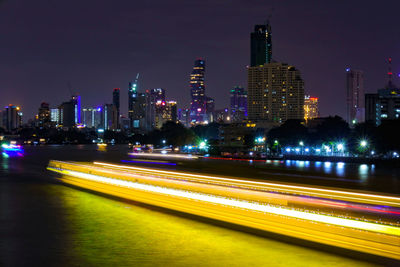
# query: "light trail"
(294, 189)
(367, 226)
(246, 203)
(157, 155)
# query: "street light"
(301, 143)
(340, 147)
(363, 143)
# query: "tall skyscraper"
(12, 117)
(67, 114)
(76, 100)
(261, 45)
(275, 93)
(238, 104)
(310, 108)
(116, 99)
(132, 101)
(197, 92)
(355, 96)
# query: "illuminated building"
(184, 116)
(222, 116)
(55, 115)
(310, 107)
(92, 117)
(275, 93)
(109, 117)
(385, 104)
(133, 105)
(76, 100)
(44, 118)
(238, 104)
(165, 111)
(197, 92)
(210, 109)
(116, 103)
(355, 96)
(12, 117)
(261, 45)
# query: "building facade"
(238, 97)
(275, 93)
(44, 116)
(116, 104)
(355, 96)
(12, 117)
(261, 45)
(133, 106)
(197, 92)
(310, 108)
(92, 117)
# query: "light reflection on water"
(106, 232)
(339, 169)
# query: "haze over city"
(97, 46)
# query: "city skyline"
(39, 68)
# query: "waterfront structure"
(12, 117)
(197, 92)
(238, 97)
(116, 103)
(261, 45)
(275, 93)
(43, 117)
(92, 117)
(385, 104)
(310, 108)
(355, 96)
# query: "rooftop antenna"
(390, 73)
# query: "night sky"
(98, 45)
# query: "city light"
(301, 143)
(363, 143)
(340, 147)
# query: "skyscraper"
(132, 101)
(261, 45)
(12, 117)
(116, 93)
(67, 114)
(275, 93)
(197, 92)
(92, 117)
(76, 101)
(238, 104)
(310, 107)
(44, 115)
(355, 96)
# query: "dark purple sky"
(98, 45)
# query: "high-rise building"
(165, 111)
(76, 100)
(12, 117)
(197, 92)
(355, 96)
(275, 93)
(310, 108)
(108, 117)
(184, 116)
(133, 102)
(238, 97)
(44, 115)
(116, 98)
(261, 45)
(67, 114)
(55, 116)
(385, 104)
(92, 117)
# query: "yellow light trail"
(319, 192)
(156, 155)
(361, 225)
